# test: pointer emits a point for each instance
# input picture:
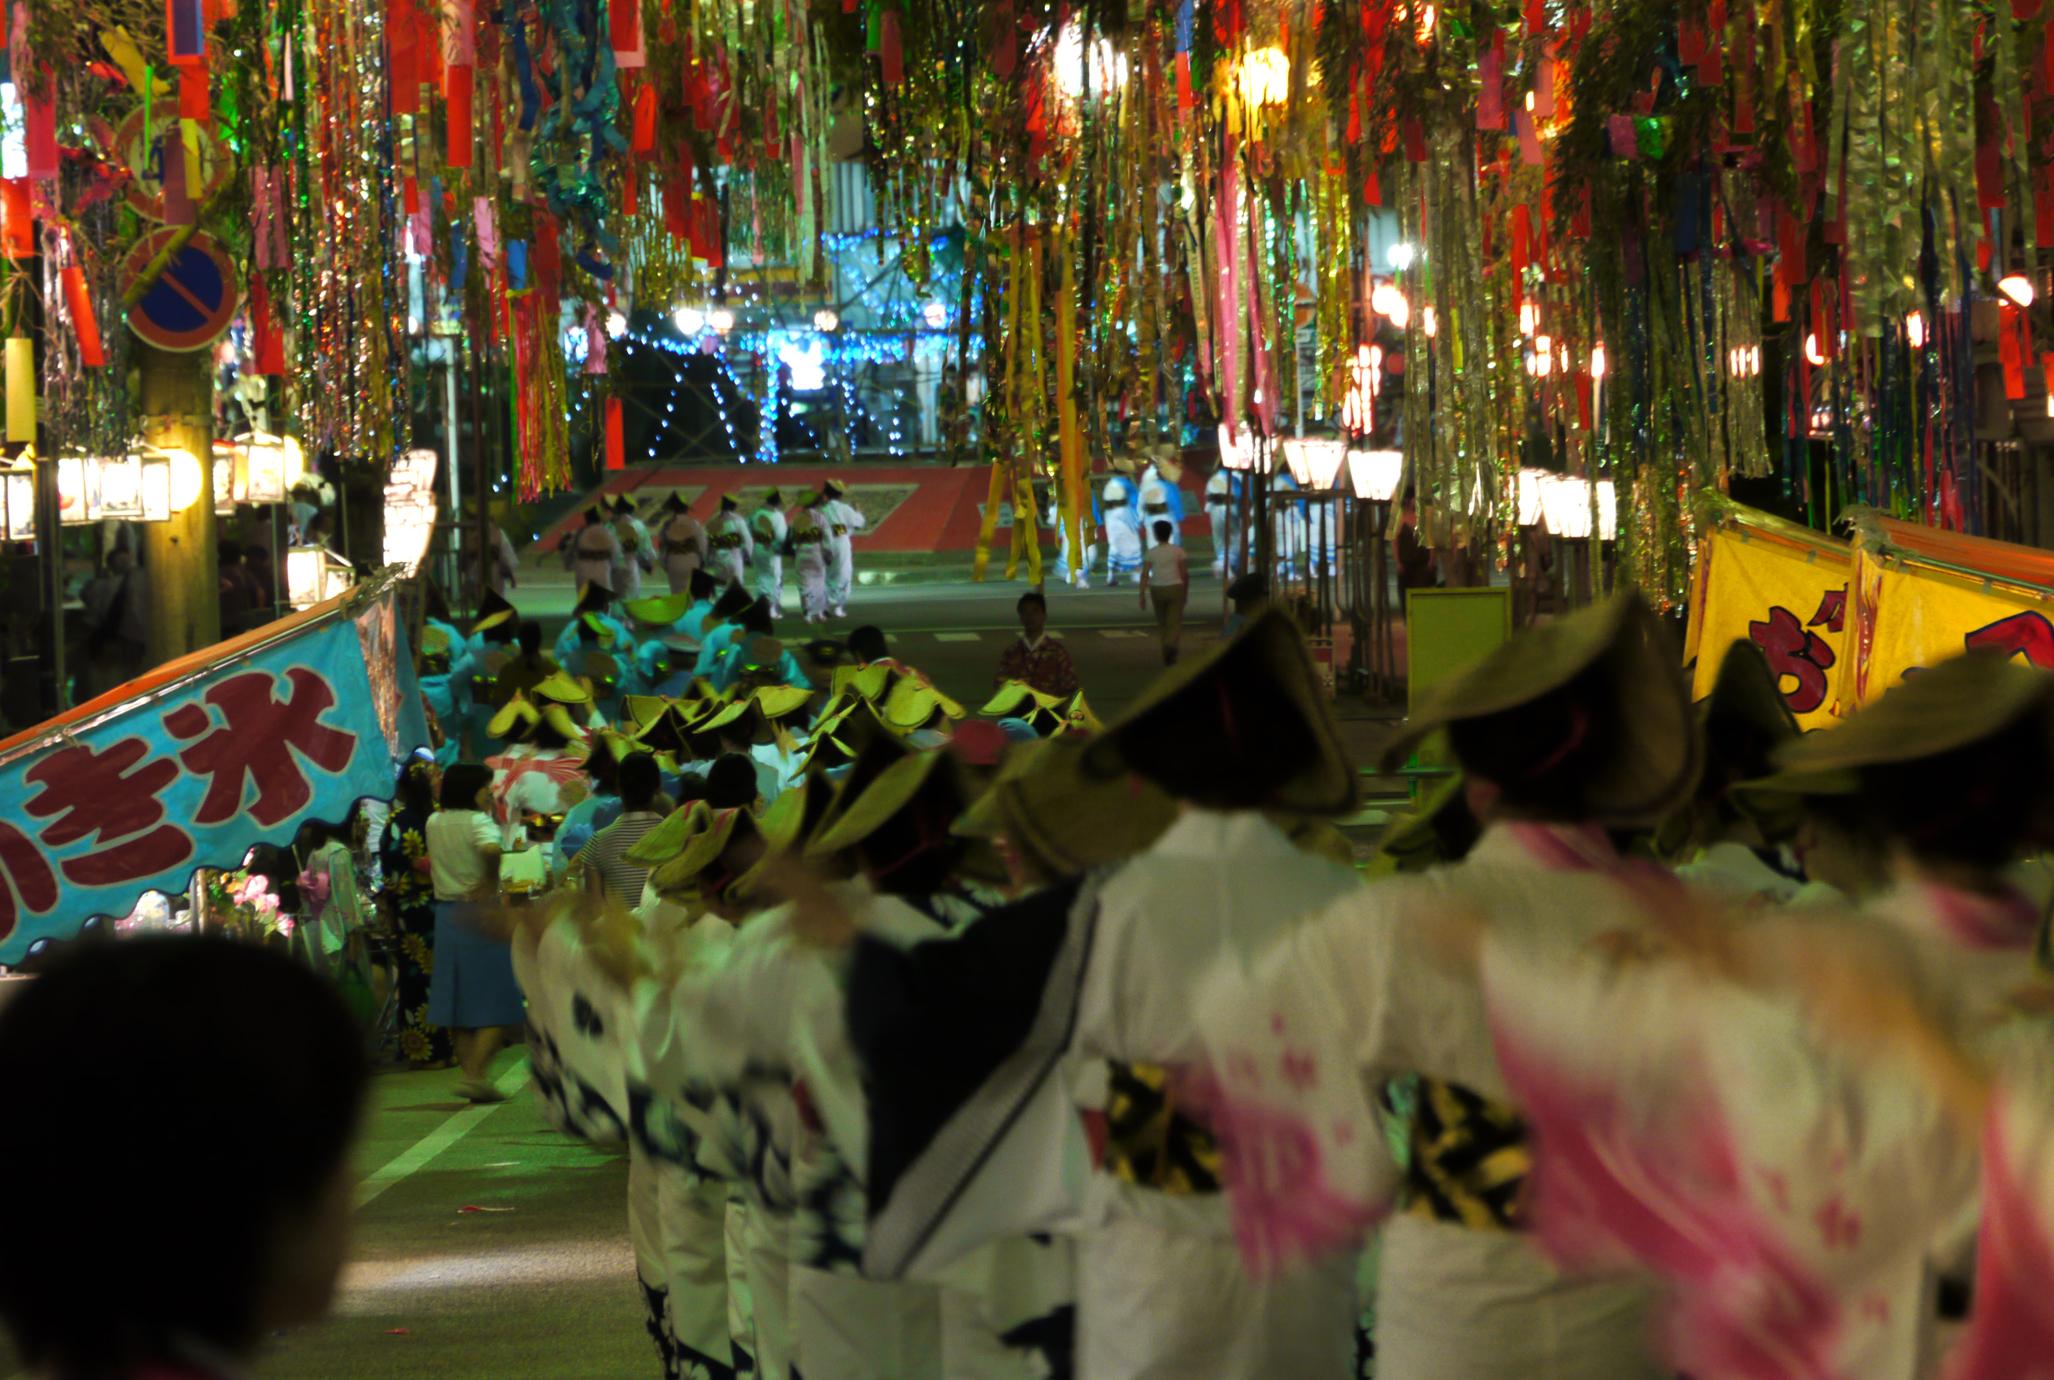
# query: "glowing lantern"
(1915, 330)
(1388, 301)
(1265, 77)
(1376, 473)
(410, 509)
(2016, 288)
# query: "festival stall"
(1840, 622)
(201, 760)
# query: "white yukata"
(1162, 1293)
(593, 554)
(844, 520)
(812, 557)
(1352, 996)
(1723, 1141)
(767, 563)
(1737, 875)
(1122, 506)
(730, 547)
(684, 550)
(1219, 508)
(1156, 507)
(636, 554)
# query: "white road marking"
(1123, 632)
(959, 637)
(453, 1129)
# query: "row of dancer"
(1599, 1096)
(818, 536)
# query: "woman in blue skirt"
(472, 991)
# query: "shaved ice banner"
(200, 760)
(1784, 588)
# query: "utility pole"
(176, 396)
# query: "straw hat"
(493, 610)
(560, 721)
(1954, 704)
(1046, 805)
(639, 711)
(435, 643)
(669, 838)
(695, 864)
(1245, 727)
(872, 760)
(657, 610)
(911, 704)
(933, 783)
(786, 824)
(1018, 700)
(517, 717)
(1659, 752)
(560, 688)
(1078, 718)
(1746, 713)
(862, 682)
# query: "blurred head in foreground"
(180, 1116)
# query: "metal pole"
(449, 430)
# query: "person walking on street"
(844, 519)
(727, 537)
(768, 530)
(682, 543)
(1168, 581)
(593, 554)
(472, 991)
(638, 556)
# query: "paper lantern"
(314, 573)
(2016, 288)
(1529, 486)
(157, 487)
(1565, 503)
(185, 479)
(1315, 461)
(410, 509)
(1237, 449)
(121, 485)
(20, 492)
(1376, 474)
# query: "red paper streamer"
(458, 81)
(616, 438)
(891, 53)
(643, 139)
(267, 343)
(84, 322)
(40, 118)
(402, 61)
(194, 101)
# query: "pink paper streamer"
(487, 231)
(1529, 141)
(459, 33)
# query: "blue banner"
(109, 804)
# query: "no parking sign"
(193, 299)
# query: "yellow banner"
(1906, 615)
(1788, 595)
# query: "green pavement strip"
(455, 1128)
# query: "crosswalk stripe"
(1122, 632)
(958, 637)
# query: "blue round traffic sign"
(192, 301)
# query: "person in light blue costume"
(445, 679)
(725, 628)
(752, 640)
(691, 624)
(491, 641)
(1122, 500)
(595, 609)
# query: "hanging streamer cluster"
(1667, 243)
